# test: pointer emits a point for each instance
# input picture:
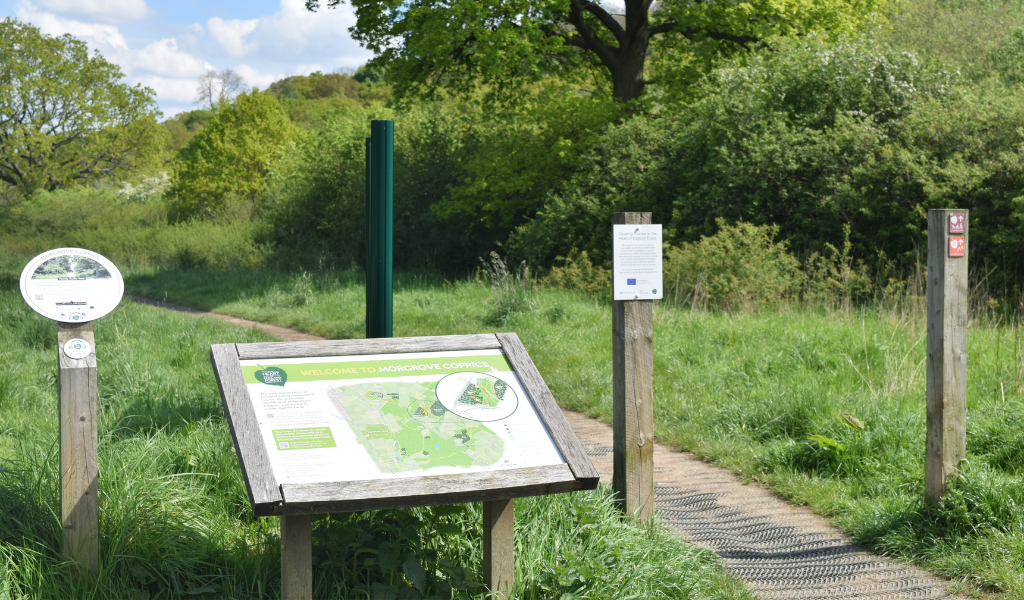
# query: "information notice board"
(349, 425)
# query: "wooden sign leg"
(296, 557)
(946, 380)
(499, 546)
(633, 397)
(79, 505)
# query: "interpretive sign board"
(636, 262)
(71, 285)
(347, 425)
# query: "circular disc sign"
(477, 396)
(71, 285)
(77, 348)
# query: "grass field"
(175, 521)
(762, 394)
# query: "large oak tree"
(66, 116)
(427, 44)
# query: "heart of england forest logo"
(271, 376)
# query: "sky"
(167, 45)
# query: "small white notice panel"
(636, 262)
(71, 285)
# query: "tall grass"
(175, 521)
(775, 395)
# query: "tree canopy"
(232, 156)
(457, 44)
(66, 116)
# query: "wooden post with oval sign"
(75, 287)
(946, 384)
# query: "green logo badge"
(271, 376)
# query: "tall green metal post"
(380, 229)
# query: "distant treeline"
(821, 135)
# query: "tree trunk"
(628, 72)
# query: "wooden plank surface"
(499, 547)
(440, 343)
(79, 471)
(264, 492)
(633, 397)
(296, 557)
(377, 494)
(544, 402)
(946, 379)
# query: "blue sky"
(168, 45)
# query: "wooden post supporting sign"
(77, 393)
(74, 287)
(499, 546)
(296, 557)
(633, 395)
(946, 387)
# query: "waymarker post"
(75, 287)
(946, 386)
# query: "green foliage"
(502, 45)
(128, 232)
(618, 173)
(66, 116)
(741, 267)
(577, 272)
(962, 35)
(513, 157)
(229, 160)
(315, 85)
(511, 290)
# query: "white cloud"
(230, 34)
(291, 34)
(169, 89)
(111, 11)
(307, 69)
(166, 59)
(255, 77)
(97, 35)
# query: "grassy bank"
(763, 394)
(174, 517)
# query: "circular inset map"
(71, 285)
(477, 396)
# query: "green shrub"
(741, 267)
(576, 272)
(229, 160)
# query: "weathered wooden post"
(636, 266)
(499, 546)
(946, 387)
(79, 446)
(75, 287)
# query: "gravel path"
(782, 551)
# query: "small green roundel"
(271, 376)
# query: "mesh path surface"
(782, 551)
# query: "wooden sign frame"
(269, 497)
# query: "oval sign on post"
(71, 285)
(77, 348)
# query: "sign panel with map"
(350, 418)
(325, 432)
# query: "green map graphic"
(483, 392)
(405, 428)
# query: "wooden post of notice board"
(79, 472)
(946, 387)
(633, 396)
(499, 546)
